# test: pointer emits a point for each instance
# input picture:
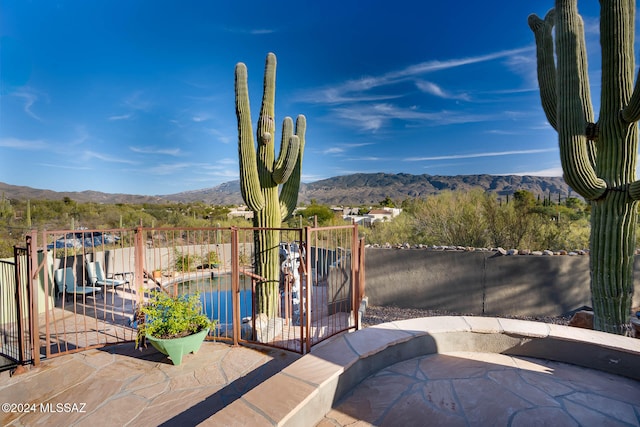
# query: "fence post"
(305, 277)
(361, 276)
(306, 336)
(19, 303)
(139, 257)
(355, 272)
(32, 248)
(235, 286)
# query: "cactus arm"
(266, 122)
(249, 181)
(575, 110)
(546, 65)
(631, 113)
(288, 153)
(617, 28)
(290, 189)
(266, 129)
(623, 96)
(634, 190)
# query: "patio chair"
(98, 278)
(66, 284)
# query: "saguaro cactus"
(598, 157)
(261, 175)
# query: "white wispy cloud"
(29, 98)
(82, 135)
(350, 89)
(65, 166)
(200, 118)
(541, 126)
(339, 149)
(358, 103)
(334, 150)
(525, 67)
(192, 167)
(312, 178)
(154, 150)
(502, 132)
(121, 117)
(252, 31)
(221, 169)
(476, 155)
(261, 31)
(224, 173)
(430, 66)
(223, 137)
(137, 101)
(367, 159)
(23, 144)
(339, 96)
(555, 171)
(107, 158)
(170, 168)
(228, 161)
(371, 117)
(435, 90)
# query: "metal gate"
(321, 284)
(15, 332)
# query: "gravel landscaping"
(375, 315)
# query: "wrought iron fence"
(90, 282)
(15, 331)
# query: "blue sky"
(137, 97)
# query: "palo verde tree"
(598, 155)
(269, 186)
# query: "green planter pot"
(175, 348)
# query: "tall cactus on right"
(598, 157)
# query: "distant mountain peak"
(371, 188)
(355, 189)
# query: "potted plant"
(173, 325)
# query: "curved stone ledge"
(311, 385)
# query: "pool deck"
(447, 370)
(118, 385)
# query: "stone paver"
(119, 385)
(457, 372)
(479, 389)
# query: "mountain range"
(349, 190)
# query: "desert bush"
(479, 219)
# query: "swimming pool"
(216, 296)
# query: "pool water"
(216, 296)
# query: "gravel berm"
(375, 315)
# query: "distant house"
(375, 215)
(355, 219)
(383, 214)
(342, 210)
(242, 211)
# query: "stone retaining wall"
(314, 383)
(480, 281)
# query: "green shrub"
(211, 259)
(184, 262)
